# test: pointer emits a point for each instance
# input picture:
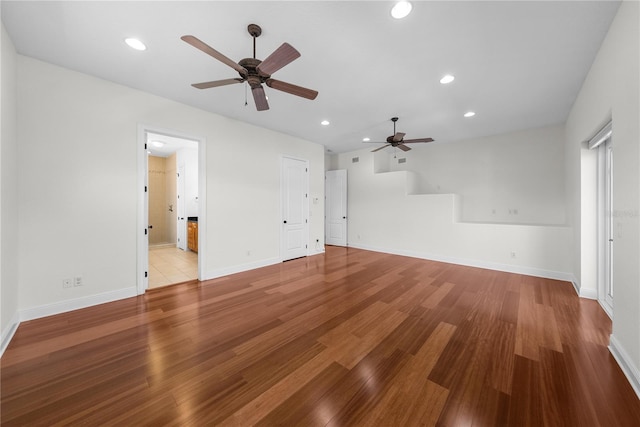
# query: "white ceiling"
(164, 145)
(518, 65)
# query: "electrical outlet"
(67, 283)
(77, 281)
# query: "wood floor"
(349, 338)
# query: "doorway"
(603, 143)
(171, 166)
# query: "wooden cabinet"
(192, 235)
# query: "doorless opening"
(602, 142)
(171, 168)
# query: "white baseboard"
(583, 293)
(9, 331)
(76, 304)
(221, 272)
(576, 285)
(518, 269)
(626, 364)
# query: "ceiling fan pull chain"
(245, 94)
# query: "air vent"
(355, 159)
(402, 160)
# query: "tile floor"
(169, 265)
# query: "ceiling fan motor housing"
(253, 76)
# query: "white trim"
(316, 251)
(588, 294)
(583, 293)
(142, 240)
(600, 137)
(626, 363)
(76, 303)
(607, 309)
(603, 237)
(9, 332)
(226, 271)
(518, 269)
(202, 205)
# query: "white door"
(181, 231)
(295, 208)
(336, 208)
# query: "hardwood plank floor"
(348, 338)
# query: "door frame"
(605, 224)
(181, 227)
(142, 240)
(306, 204)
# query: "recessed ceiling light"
(135, 44)
(401, 9)
(366, 139)
(469, 114)
(325, 123)
(157, 143)
(447, 79)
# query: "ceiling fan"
(397, 139)
(254, 71)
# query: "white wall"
(385, 215)
(611, 91)
(78, 185)
(9, 193)
(511, 178)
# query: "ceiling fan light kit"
(397, 139)
(254, 71)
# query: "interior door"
(181, 231)
(336, 208)
(295, 208)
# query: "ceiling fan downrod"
(255, 32)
